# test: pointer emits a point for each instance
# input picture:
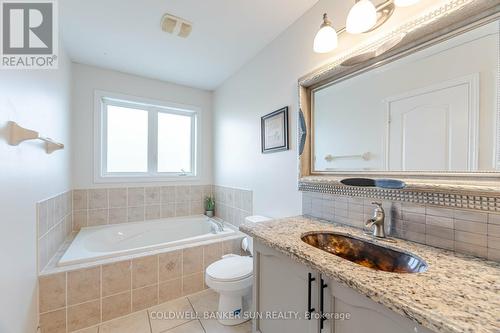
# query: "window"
(138, 139)
(126, 139)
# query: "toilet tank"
(257, 218)
(247, 242)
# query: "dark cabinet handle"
(322, 304)
(310, 280)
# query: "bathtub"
(101, 242)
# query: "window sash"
(153, 111)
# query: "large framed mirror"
(426, 109)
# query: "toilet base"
(232, 309)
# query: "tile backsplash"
(232, 204)
(53, 225)
(466, 231)
(132, 204)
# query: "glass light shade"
(405, 3)
(362, 17)
(326, 39)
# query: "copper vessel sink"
(365, 253)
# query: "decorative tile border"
(488, 203)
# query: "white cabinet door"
(366, 315)
(434, 128)
(281, 287)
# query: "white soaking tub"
(107, 241)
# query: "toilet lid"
(231, 268)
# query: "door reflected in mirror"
(433, 110)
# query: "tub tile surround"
(58, 217)
(81, 298)
(233, 204)
(133, 204)
(471, 232)
(68, 212)
(54, 225)
(93, 207)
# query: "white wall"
(269, 82)
(40, 100)
(87, 79)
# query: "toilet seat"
(230, 269)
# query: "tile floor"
(146, 322)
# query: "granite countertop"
(458, 293)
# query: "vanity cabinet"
(284, 287)
(365, 315)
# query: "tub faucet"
(377, 221)
(219, 225)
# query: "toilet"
(232, 278)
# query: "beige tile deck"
(88, 330)
(213, 326)
(180, 309)
(145, 322)
(134, 323)
(207, 301)
(204, 301)
(194, 326)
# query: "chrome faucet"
(218, 224)
(377, 221)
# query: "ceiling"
(125, 35)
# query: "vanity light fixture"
(326, 38)
(362, 17)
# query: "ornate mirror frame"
(450, 20)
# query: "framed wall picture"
(274, 131)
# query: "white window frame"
(103, 98)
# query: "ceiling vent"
(176, 25)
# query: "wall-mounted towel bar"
(18, 134)
(365, 156)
